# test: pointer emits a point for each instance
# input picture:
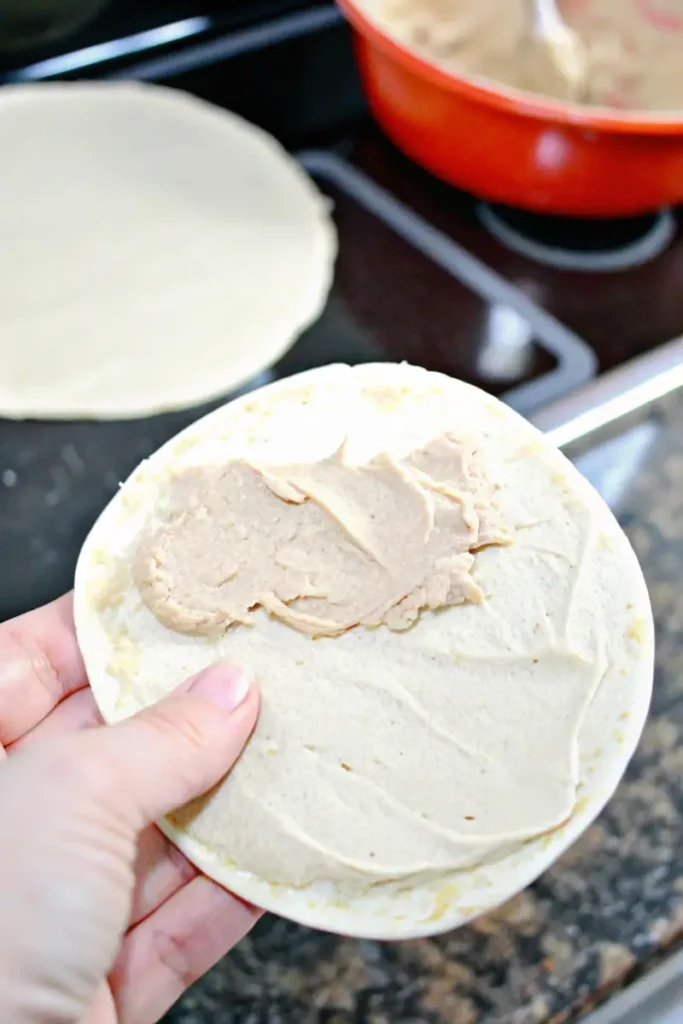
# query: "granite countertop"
(608, 909)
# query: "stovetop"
(524, 306)
(529, 309)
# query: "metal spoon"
(564, 44)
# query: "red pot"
(517, 148)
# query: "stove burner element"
(568, 243)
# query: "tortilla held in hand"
(451, 634)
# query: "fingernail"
(223, 684)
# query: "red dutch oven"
(515, 148)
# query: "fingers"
(40, 664)
(160, 871)
(174, 947)
(103, 1007)
(77, 712)
(173, 751)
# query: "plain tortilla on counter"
(398, 782)
(156, 251)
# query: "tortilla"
(156, 251)
(397, 784)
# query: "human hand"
(102, 920)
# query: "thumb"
(177, 749)
(76, 806)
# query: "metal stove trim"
(613, 395)
(656, 997)
(233, 44)
(577, 363)
(110, 50)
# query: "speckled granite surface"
(608, 909)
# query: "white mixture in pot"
(634, 48)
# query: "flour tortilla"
(156, 251)
(570, 583)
